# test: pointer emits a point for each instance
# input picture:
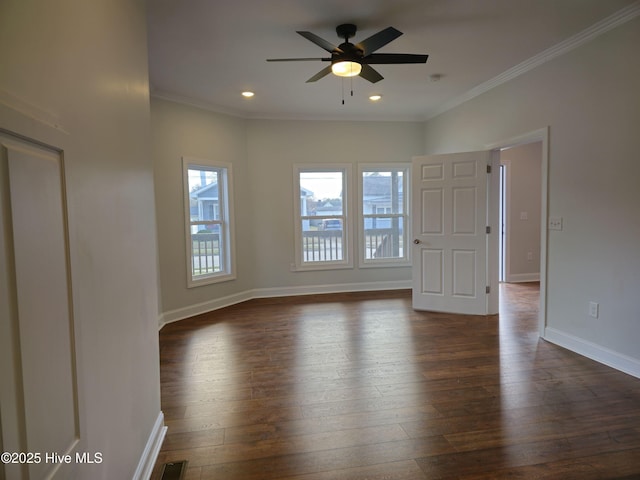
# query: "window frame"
(404, 261)
(225, 220)
(347, 246)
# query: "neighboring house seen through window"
(322, 217)
(207, 187)
(325, 226)
(383, 215)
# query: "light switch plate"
(555, 223)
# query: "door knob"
(417, 242)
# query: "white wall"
(274, 147)
(74, 74)
(263, 153)
(589, 99)
(180, 130)
(523, 201)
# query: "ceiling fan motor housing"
(346, 30)
(350, 53)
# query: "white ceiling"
(206, 52)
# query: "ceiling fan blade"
(298, 59)
(378, 40)
(321, 42)
(322, 73)
(391, 58)
(368, 73)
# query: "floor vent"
(174, 470)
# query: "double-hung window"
(208, 215)
(322, 212)
(383, 215)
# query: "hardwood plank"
(281, 466)
(515, 456)
(193, 439)
(335, 423)
(622, 463)
(356, 386)
(406, 470)
(193, 474)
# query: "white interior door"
(449, 215)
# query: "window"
(207, 188)
(383, 215)
(322, 217)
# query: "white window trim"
(298, 264)
(385, 262)
(227, 224)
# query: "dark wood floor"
(362, 387)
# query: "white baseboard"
(151, 450)
(204, 307)
(594, 351)
(192, 310)
(331, 288)
(523, 277)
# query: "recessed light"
(375, 98)
(248, 94)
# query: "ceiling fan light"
(346, 69)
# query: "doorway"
(540, 137)
(520, 213)
(449, 199)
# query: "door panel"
(464, 169)
(432, 215)
(39, 402)
(464, 266)
(464, 211)
(432, 263)
(449, 223)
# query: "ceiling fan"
(349, 60)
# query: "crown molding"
(603, 26)
(203, 105)
(193, 102)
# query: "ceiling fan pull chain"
(342, 83)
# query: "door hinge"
(488, 168)
(488, 229)
(488, 289)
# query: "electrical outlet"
(530, 256)
(555, 223)
(594, 309)
(524, 216)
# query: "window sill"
(210, 280)
(315, 268)
(402, 264)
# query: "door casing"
(493, 220)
